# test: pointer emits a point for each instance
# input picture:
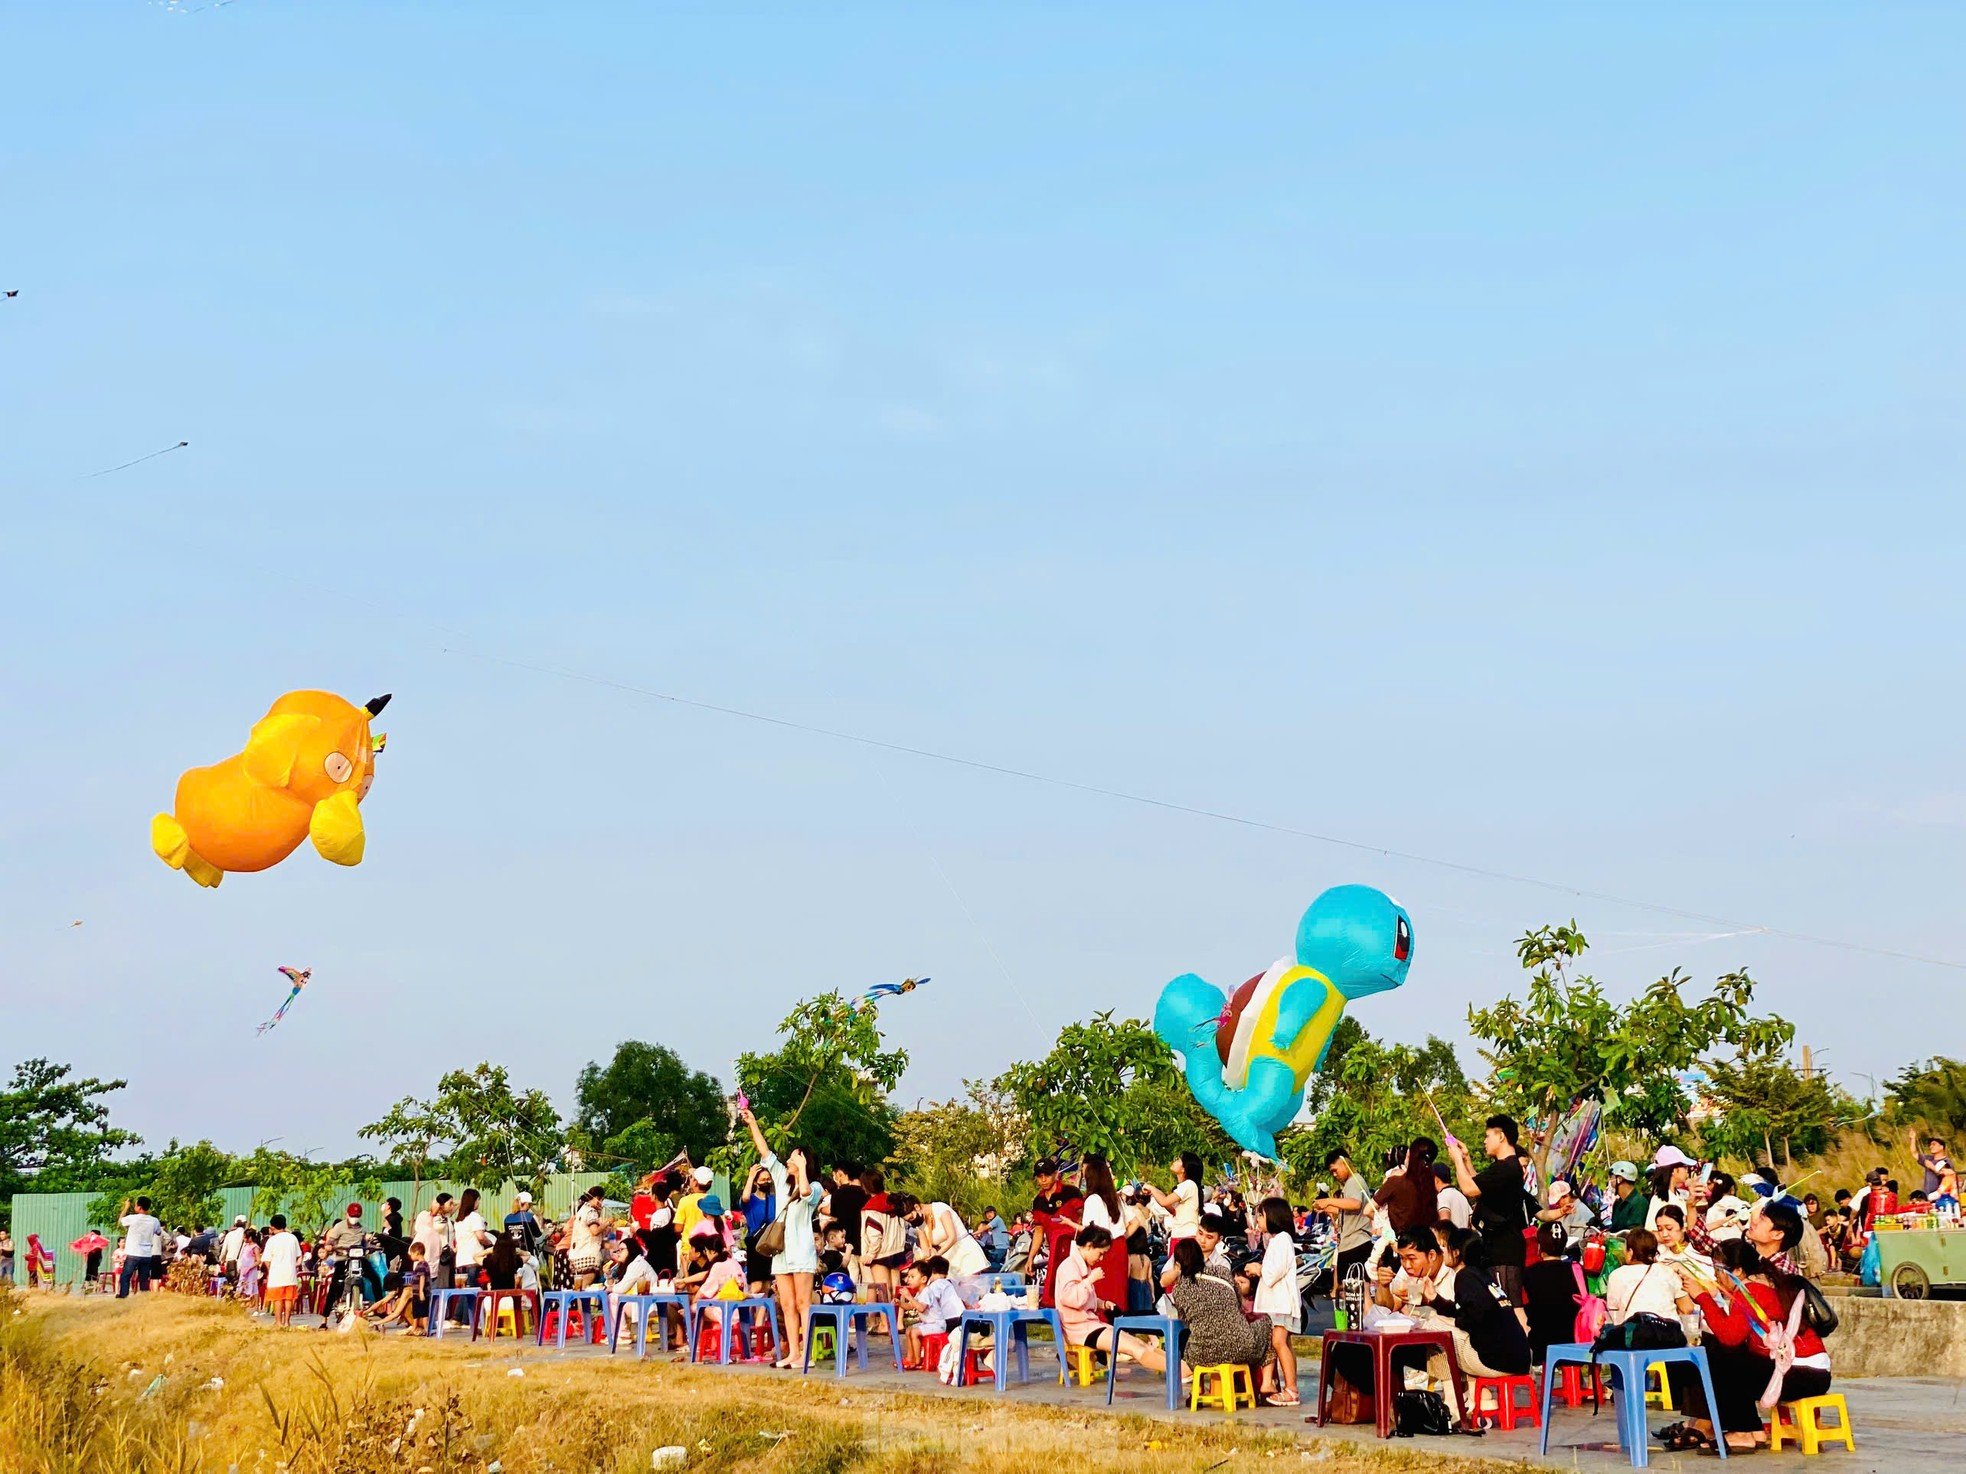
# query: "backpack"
(1420, 1413)
(1592, 1312)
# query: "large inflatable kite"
(1249, 1055)
(307, 764)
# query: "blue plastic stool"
(1627, 1370)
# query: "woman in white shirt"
(1277, 1297)
(1643, 1285)
(1676, 1253)
(474, 1240)
(1183, 1203)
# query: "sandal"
(1671, 1431)
(1685, 1438)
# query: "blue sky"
(1528, 437)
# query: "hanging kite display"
(885, 990)
(306, 766)
(1249, 1055)
(298, 977)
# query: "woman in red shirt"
(1764, 1353)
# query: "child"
(936, 1303)
(249, 1267)
(408, 1305)
(834, 1255)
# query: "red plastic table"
(1382, 1345)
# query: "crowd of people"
(1685, 1251)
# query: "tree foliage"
(55, 1134)
(826, 1085)
(1567, 1039)
(644, 1106)
(1114, 1087)
(960, 1151)
(311, 1194)
(182, 1184)
(1372, 1096)
(476, 1129)
(1933, 1093)
(1768, 1111)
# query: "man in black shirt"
(1499, 1194)
(848, 1202)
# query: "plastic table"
(439, 1299)
(1167, 1327)
(648, 1308)
(1627, 1370)
(486, 1313)
(726, 1313)
(1382, 1345)
(1007, 1328)
(854, 1318)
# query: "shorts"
(757, 1268)
(891, 1261)
(282, 1295)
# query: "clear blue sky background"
(1523, 435)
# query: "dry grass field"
(79, 1394)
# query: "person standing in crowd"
(6, 1257)
(941, 1233)
(1101, 1205)
(883, 1237)
(471, 1240)
(1628, 1204)
(433, 1231)
(229, 1246)
(1054, 1208)
(1941, 1184)
(1276, 1292)
(792, 1269)
(1725, 1214)
(1452, 1204)
(1182, 1202)
(585, 1232)
(1351, 1222)
(143, 1238)
(689, 1207)
(90, 1246)
(1566, 1213)
(1672, 1176)
(759, 1205)
(282, 1261)
(1499, 1193)
(522, 1225)
(846, 1204)
(1408, 1196)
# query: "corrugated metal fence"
(62, 1218)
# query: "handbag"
(1420, 1413)
(1817, 1313)
(769, 1242)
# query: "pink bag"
(1592, 1312)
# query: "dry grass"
(77, 1396)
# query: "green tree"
(1932, 1094)
(182, 1185)
(497, 1134)
(645, 1105)
(1373, 1096)
(311, 1194)
(826, 1084)
(1568, 1040)
(414, 1135)
(959, 1151)
(55, 1134)
(1112, 1087)
(1765, 1103)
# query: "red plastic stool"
(933, 1345)
(710, 1340)
(1507, 1410)
(1570, 1387)
(589, 1328)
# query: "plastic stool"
(1571, 1386)
(1233, 1384)
(1083, 1366)
(932, 1347)
(1661, 1395)
(1801, 1422)
(822, 1340)
(710, 1340)
(1507, 1410)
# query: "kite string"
(138, 461)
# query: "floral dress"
(1214, 1330)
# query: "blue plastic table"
(1627, 1370)
(854, 1317)
(1008, 1328)
(440, 1300)
(726, 1313)
(564, 1301)
(1169, 1329)
(648, 1308)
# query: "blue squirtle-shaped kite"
(1248, 1056)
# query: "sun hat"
(1672, 1156)
(712, 1206)
(707, 1229)
(1559, 1190)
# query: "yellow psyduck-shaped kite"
(307, 764)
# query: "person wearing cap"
(340, 1245)
(689, 1207)
(1628, 1204)
(522, 1225)
(1672, 1172)
(1566, 1213)
(228, 1249)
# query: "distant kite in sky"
(885, 990)
(298, 977)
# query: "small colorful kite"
(886, 990)
(298, 977)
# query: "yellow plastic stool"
(508, 1315)
(1083, 1366)
(1661, 1395)
(1800, 1422)
(1233, 1386)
